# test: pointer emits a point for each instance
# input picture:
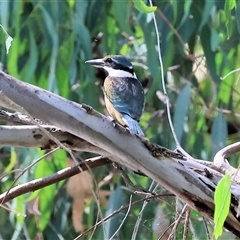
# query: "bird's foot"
(88, 108)
(112, 120)
(127, 128)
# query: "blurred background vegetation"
(52, 40)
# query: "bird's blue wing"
(126, 95)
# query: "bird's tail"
(133, 125)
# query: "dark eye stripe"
(127, 69)
(109, 60)
(115, 63)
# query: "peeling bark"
(193, 181)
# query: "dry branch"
(57, 177)
(188, 179)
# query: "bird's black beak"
(96, 62)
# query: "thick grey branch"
(32, 136)
(191, 181)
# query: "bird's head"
(115, 65)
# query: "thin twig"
(128, 182)
(173, 29)
(139, 218)
(206, 227)
(164, 88)
(26, 169)
(118, 211)
(233, 71)
(171, 235)
(186, 223)
(192, 229)
(54, 178)
(130, 201)
(166, 230)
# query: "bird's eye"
(109, 60)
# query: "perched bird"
(123, 93)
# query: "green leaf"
(47, 194)
(31, 65)
(32, 195)
(12, 64)
(181, 110)
(225, 92)
(116, 200)
(19, 208)
(142, 7)
(238, 15)
(222, 200)
(71, 3)
(206, 12)
(65, 58)
(227, 16)
(5, 13)
(81, 10)
(187, 8)
(46, 203)
(60, 159)
(219, 133)
(120, 12)
(210, 55)
(229, 5)
(52, 30)
(214, 39)
(13, 161)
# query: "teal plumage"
(124, 95)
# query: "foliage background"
(53, 39)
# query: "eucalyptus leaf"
(222, 200)
(116, 200)
(141, 6)
(181, 110)
(238, 15)
(219, 133)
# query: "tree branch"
(32, 136)
(220, 158)
(188, 179)
(54, 178)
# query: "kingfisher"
(123, 92)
